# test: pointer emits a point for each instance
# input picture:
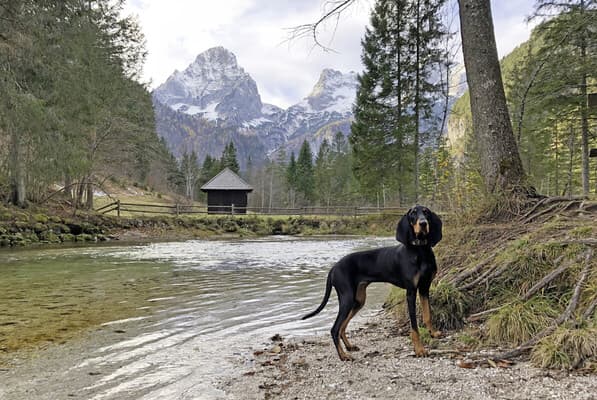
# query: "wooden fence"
(119, 207)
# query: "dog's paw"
(346, 357)
(420, 351)
(353, 348)
(436, 334)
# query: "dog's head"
(419, 227)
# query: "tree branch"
(306, 30)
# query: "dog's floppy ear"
(404, 232)
(435, 229)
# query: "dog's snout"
(423, 222)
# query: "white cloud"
(256, 31)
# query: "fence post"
(118, 208)
(232, 209)
(177, 209)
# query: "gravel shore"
(385, 368)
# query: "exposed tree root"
(565, 316)
(547, 279)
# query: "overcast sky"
(256, 31)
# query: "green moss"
(84, 237)
(39, 227)
(67, 237)
(49, 236)
(40, 218)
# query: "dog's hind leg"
(344, 311)
(359, 301)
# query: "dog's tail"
(326, 297)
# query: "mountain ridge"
(214, 101)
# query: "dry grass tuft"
(567, 348)
(449, 306)
(519, 321)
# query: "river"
(158, 320)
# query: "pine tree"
(291, 180)
(571, 35)
(395, 96)
(374, 145)
(324, 174)
(228, 159)
(305, 179)
(425, 34)
(209, 168)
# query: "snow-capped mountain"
(213, 87)
(214, 101)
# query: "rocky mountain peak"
(213, 86)
(216, 56)
(333, 92)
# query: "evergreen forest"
(74, 115)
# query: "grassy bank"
(41, 226)
(523, 288)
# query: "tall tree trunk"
(17, 169)
(89, 195)
(68, 190)
(568, 187)
(500, 162)
(557, 169)
(584, 113)
(417, 96)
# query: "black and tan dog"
(410, 265)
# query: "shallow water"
(182, 311)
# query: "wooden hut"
(227, 193)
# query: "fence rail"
(181, 209)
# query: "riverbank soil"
(386, 368)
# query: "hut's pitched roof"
(226, 180)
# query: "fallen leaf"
(465, 364)
(276, 349)
(503, 364)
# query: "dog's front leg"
(411, 298)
